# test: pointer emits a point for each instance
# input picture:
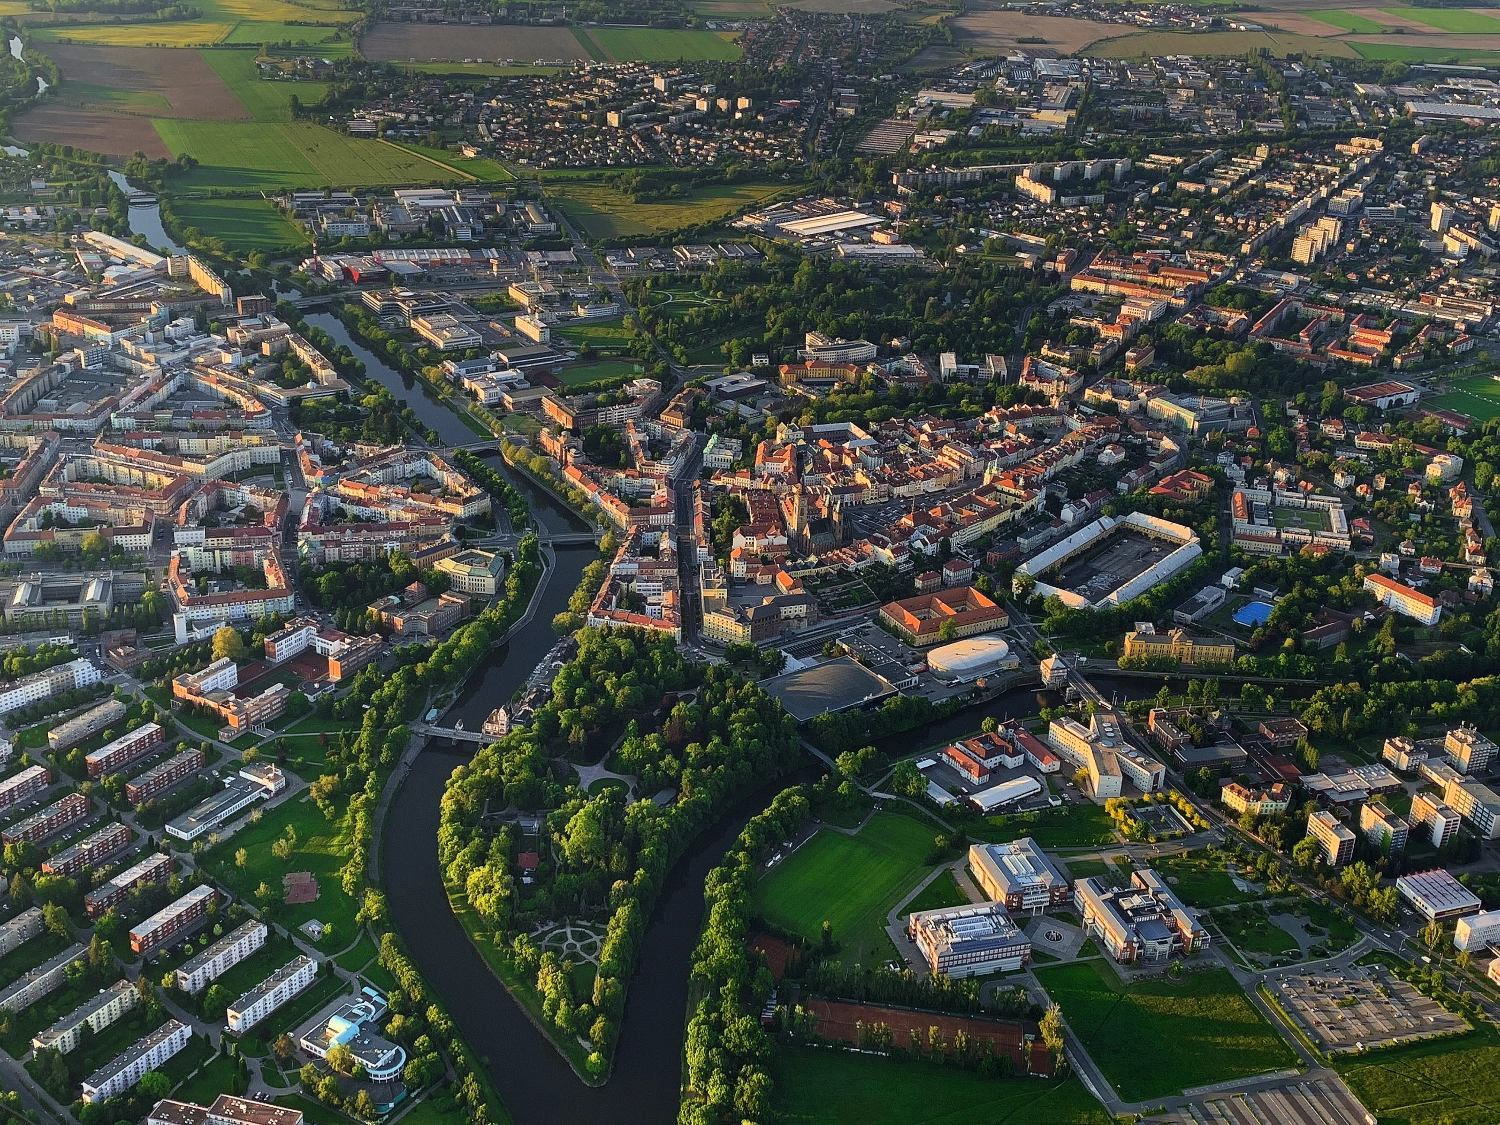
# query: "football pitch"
(1478, 396)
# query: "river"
(145, 218)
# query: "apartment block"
(1382, 827)
(47, 977)
(1477, 932)
(1336, 841)
(44, 685)
(221, 956)
(162, 776)
(29, 782)
(1403, 599)
(1430, 815)
(91, 851)
(49, 821)
(114, 756)
(155, 868)
(20, 929)
(125, 1069)
(226, 1110)
(172, 920)
(1477, 803)
(1468, 750)
(98, 1012)
(271, 993)
(69, 734)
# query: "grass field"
(827, 1087)
(273, 155)
(1459, 21)
(942, 891)
(1071, 826)
(603, 212)
(243, 224)
(1160, 1037)
(266, 100)
(481, 168)
(604, 369)
(248, 22)
(320, 848)
(1453, 1081)
(600, 333)
(655, 44)
(1478, 396)
(1396, 52)
(1347, 21)
(1200, 881)
(850, 881)
(214, 1079)
(1257, 934)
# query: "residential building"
(1019, 876)
(1432, 816)
(27, 783)
(1256, 802)
(1282, 734)
(271, 993)
(20, 929)
(43, 685)
(172, 920)
(67, 735)
(98, 1012)
(1382, 828)
(1477, 803)
(1403, 599)
(155, 868)
(195, 974)
(91, 851)
(1437, 895)
(226, 1110)
(114, 756)
(47, 977)
(1336, 841)
(1468, 751)
(49, 821)
(162, 776)
(968, 941)
(125, 1069)
(1143, 922)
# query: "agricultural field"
(994, 33)
(1460, 21)
(477, 168)
(264, 99)
(603, 212)
(1455, 1081)
(1159, 1037)
(1478, 396)
(272, 156)
(1276, 43)
(654, 44)
(1343, 21)
(319, 847)
(418, 43)
(849, 881)
(249, 22)
(828, 1087)
(243, 224)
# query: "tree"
(948, 630)
(341, 1059)
(1432, 934)
(1052, 1034)
(284, 1047)
(56, 919)
(154, 1084)
(228, 643)
(1305, 853)
(241, 857)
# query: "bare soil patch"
(1295, 22)
(407, 42)
(114, 134)
(1387, 18)
(837, 1020)
(991, 33)
(187, 83)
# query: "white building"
(968, 941)
(217, 959)
(98, 1012)
(125, 1069)
(1437, 895)
(271, 993)
(43, 685)
(1474, 933)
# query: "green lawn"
(850, 881)
(315, 1112)
(320, 848)
(1255, 933)
(266, 99)
(827, 1087)
(425, 1113)
(1200, 881)
(1348, 21)
(1459, 21)
(1088, 868)
(480, 167)
(243, 224)
(1070, 826)
(1478, 396)
(1453, 1081)
(600, 333)
(623, 369)
(275, 155)
(358, 957)
(603, 212)
(1160, 1037)
(655, 44)
(218, 1077)
(942, 891)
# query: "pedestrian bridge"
(455, 734)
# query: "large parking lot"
(1324, 1102)
(1361, 1006)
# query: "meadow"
(243, 224)
(942, 891)
(264, 99)
(248, 22)
(1455, 1081)
(1478, 396)
(271, 156)
(1071, 826)
(1200, 881)
(1279, 44)
(477, 168)
(1396, 52)
(1157, 1038)
(1459, 21)
(830, 1087)
(1347, 21)
(603, 212)
(849, 881)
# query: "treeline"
(727, 1050)
(349, 588)
(1349, 710)
(836, 733)
(496, 485)
(933, 991)
(607, 855)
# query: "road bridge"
(455, 734)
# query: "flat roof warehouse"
(835, 685)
